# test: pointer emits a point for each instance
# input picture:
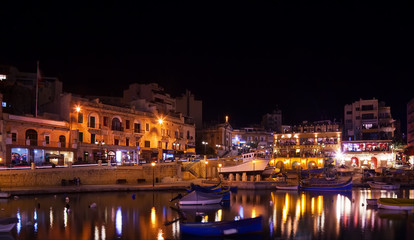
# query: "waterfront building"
(368, 120)
(369, 154)
(309, 145)
(125, 135)
(273, 121)
(248, 138)
(217, 137)
(27, 139)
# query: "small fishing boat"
(222, 228)
(321, 184)
(7, 224)
(396, 203)
(200, 198)
(287, 187)
(383, 185)
(4, 195)
(372, 201)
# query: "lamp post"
(206, 168)
(205, 145)
(153, 174)
(100, 144)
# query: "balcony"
(38, 143)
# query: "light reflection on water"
(287, 214)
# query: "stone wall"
(89, 175)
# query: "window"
(92, 122)
(188, 134)
(80, 117)
(62, 140)
(80, 136)
(126, 124)
(92, 138)
(137, 127)
(127, 141)
(105, 121)
(47, 139)
(116, 141)
(147, 127)
(14, 137)
(116, 124)
(147, 144)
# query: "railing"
(40, 143)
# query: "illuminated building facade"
(307, 146)
(123, 135)
(248, 138)
(26, 140)
(367, 154)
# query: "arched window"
(116, 124)
(32, 136)
(62, 140)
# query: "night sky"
(242, 59)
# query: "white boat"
(383, 185)
(253, 163)
(7, 224)
(200, 198)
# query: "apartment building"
(368, 120)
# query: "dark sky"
(243, 59)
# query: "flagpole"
(37, 86)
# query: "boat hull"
(247, 167)
(327, 186)
(396, 203)
(383, 186)
(287, 187)
(200, 198)
(223, 228)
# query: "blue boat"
(223, 228)
(223, 191)
(325, 185)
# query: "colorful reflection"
(286, 214)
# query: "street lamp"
(100, 144)
(206, 168)
(153, 174)
(254, 161)
(205, 145)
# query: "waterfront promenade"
(177, 185)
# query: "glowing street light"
(153, 174)
(205, 145)
(206, 167)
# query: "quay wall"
(90, 175)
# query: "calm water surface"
(142, 214)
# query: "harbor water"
(143, 214)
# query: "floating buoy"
(67, 199)
(16, 197)
(93, 205)
(133, 196)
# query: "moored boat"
(383, 185)
(286, 187)
(7, 224)
(396, 203)
(372, 201)
(222, 228)
(253, 163)
(321, 184)
(200, 198)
